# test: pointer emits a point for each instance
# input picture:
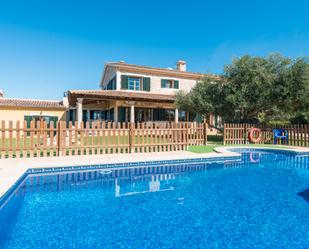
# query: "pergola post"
(116, 113)
(176, 116)
(132, 126)
(132, 114)
(79, 105)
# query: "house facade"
(133, 93)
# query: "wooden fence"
(238, 134)
(60, 139)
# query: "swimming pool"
(258, 201)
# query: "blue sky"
(48, 47)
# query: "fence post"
(59, 140)
(205, 131)
(3, 148)
(188, 135)
(224, 134)
(131, 137)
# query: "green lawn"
(213, 141)
(95, 144)
(202, 148)
(124, 139)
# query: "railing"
(60, 139)
(238, 134)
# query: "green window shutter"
(199, 118)
(155, 114)
(124, 82)
(162, 83)
(162, 114)
(112, 114)
(176, 84)
(146, 84)
(55, 119)
(28, 120)
(121, 114)
(114, 83)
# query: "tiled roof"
(31, 103)
(122, 66)
(118, 95)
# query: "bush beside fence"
(238, 134)
(61, 139)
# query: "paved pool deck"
(12, 169)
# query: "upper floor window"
(167, 83)
(134, 83)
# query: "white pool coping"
(225, 149)
(12, 169)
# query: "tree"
(253, 89)
(297, 83)
(183, 101)
(202, 98)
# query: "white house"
(133, 93)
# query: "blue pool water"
(258, 201)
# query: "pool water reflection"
(251, 202)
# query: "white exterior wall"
(155, 83)
(118, 81)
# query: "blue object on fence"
(281, 134)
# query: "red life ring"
(255, 135)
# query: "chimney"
(65, 101)
(181, 65)
(1, 93)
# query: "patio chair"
(281, 134)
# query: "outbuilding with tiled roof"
(13, 109)
(31, 103)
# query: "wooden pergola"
(78, 98)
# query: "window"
(36, 118)
(169, 115)
(169, 84)
(166, 83)
(137, 85)
(95, 115)
(163, 114)
(182, 116)
(134, 83)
